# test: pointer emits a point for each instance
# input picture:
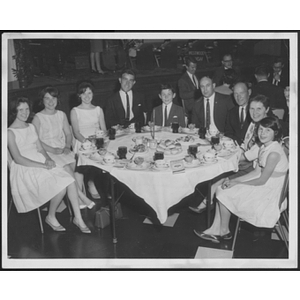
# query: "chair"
(278, 112)
(9, 162)
(283, 207)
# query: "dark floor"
(135, 239)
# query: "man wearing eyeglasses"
(227, 63)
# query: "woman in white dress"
(35, 178)
(86, 120)
(56, 137)
(253, 197)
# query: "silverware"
(132, 157)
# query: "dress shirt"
(211, 107)
(194, 79)
(169, 106)
(124, 102)
(275, 82)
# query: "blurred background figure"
(280, 74)
(96, 49)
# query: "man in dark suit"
(126, 106)
(188, 86)
(220, 73)
(280, 75)
(238, 118)
(264, 87)
(168, 112)
(212, 108)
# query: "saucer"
(224, 153)
(131, 150)
(161, 168)
(193, 164)
(135, 167)
(209, 162)
(190, 131)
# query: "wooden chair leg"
(9, 207)
(40, 220)
(281, 233)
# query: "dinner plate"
(185, 141)
(190, 131)
(203, 162)
(162, 168)
(96, 157)
(135, 167)
(88, 151)
(193, 164)
(131, 150)
(156, 128)
(224, 153)
(166, 152)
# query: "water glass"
(138, 127)
(202, 132)
(112, 133)
(175, 127)
(122, 151)
(158, 155)
(193, 150)
(215, 140)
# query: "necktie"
(252, 140)
(127, 107)
(166, 116)
(242, 117)
(194, 81)
(207, 121)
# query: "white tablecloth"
(163, 189)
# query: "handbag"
(102, 216)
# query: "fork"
(132, 157)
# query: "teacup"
(109, 158)
(209, 157)
(213, 131)
(160, 163)
(189, 158)
(228, 144)
(87, 145)
(139, 140)
(99, 133)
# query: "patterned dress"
(32, 187)
(258, 205)
(52, 134)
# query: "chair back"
(284, 193)
(286, 145)
(278, 112)
(9, 159)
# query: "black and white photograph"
(167, 150)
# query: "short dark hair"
(127, 71)
(273, 123)
(53, 91)
(167, 86)
(190, 59)
(13, 109)
(261, 98)
(83, 86)
(262, 70)
(229, 77)
(278, 59)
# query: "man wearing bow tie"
(126, 106)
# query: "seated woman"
(56, 137)
(34, 176)
(86, 119)
(253, 197)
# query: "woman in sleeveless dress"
(34, 176)
(253, 197)
(55, 134)
(86, 119)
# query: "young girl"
(253, 197)
(86, 118)
(55, 134)
(35, 178)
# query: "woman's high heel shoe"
(54, 227)
(82, 229)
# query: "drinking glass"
(202, 132)
(193, 150)
(215, 140)
(158, 155)
(122, 151)
(175, 127)
(112, 133)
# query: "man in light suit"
(188, 86)
(168, 112)
(212, 108)
(238, 118)
(126, 106)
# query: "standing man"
(238, 118)
(264, 87)
(188, 86)
(212, 108)
(126, 106)
(280, 75)
(220, 73)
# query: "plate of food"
(138, 164)
(185, 139)
(194, 163)
(160, 165)
(141, 148)
(224, 153)
(147, 128)
(189, 130)
(169, 147)
(95, 156)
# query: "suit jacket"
(115, 112)
(222, 105)
(284, 78)
(233, 127)
(176, 114)
(219, 74)
(187, 90)
(273, 92)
